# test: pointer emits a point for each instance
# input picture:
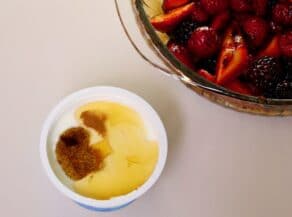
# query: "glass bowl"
(135, 17)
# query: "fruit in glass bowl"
(235, 40)
(244, 46)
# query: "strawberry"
(282, 13)
(272, 49)
(168, 5)
(167, 22)
(256, 29)
(286, 44)
(233, 59)
(205, 74)
(239, 87)
(181, 53)
(220, 21)
(215, 6)
(199, 15)
(204, 42)
(241, 5)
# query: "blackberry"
(208, 64)
(287, 65)
(183, 31)
(265, 73)
(283, 90)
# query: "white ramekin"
(97, 94)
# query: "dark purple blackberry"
(208, 64)
(287, 65)
(283, 90)
(183, 31)
(265, 73)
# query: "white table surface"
(221, 163)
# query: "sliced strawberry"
(220, 21)
(181, 53)
(205, 74)
(235, 85)
(273, 48)
(239, 87)
(167, 22)
(233, 58)
(173, 4)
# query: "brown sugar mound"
(92, 120)
(74, 154)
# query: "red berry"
(199, 14)
(260, 7)
(215, 6)
(204, 42)
(282, 14)
(181, 53)
(220, 21)
(241, 5)
(241, 17)
(256, 29)
(286, 44)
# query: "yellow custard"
(121, 138)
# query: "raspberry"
(181, 53)
(282, 14)
(241, 5)
(204, 42)
(183, 31)
(286, 44)
(214, 6)
(256, 30)
(265, 73)
(260, 7)
(199, 14)
(220, 21)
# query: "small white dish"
(102, 93)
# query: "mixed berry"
(243, 45)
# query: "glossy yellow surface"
(130, 157)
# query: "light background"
(221, 163)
